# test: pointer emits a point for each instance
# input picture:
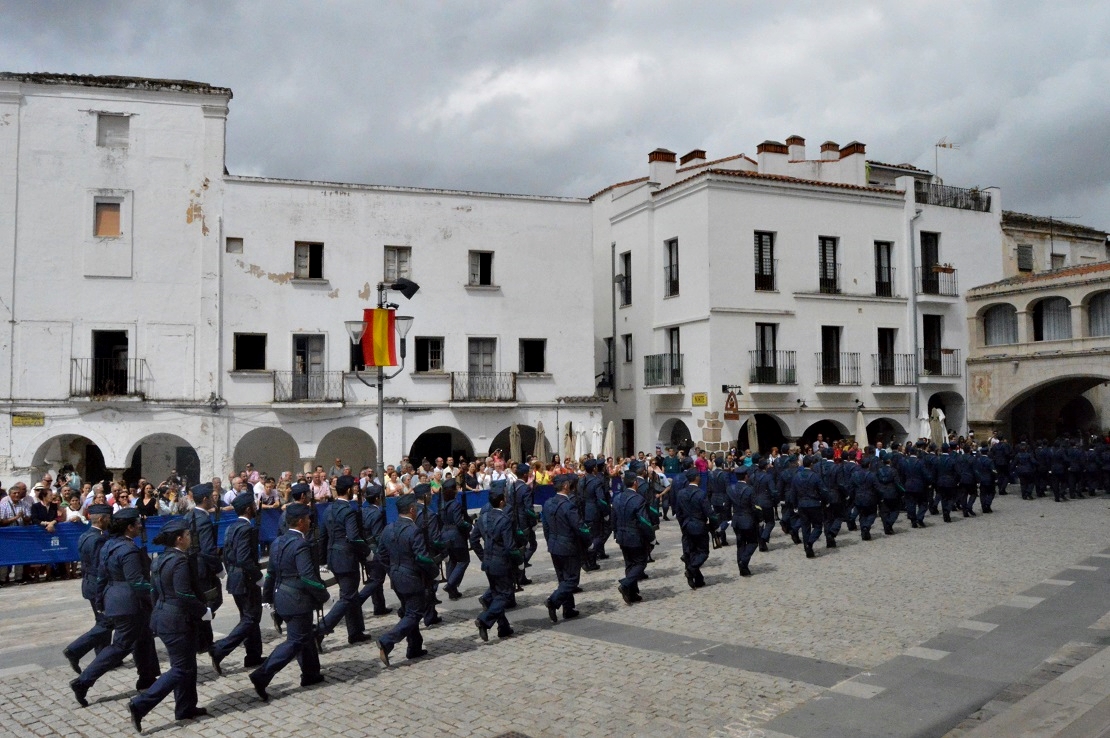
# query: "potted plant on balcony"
(943, 269)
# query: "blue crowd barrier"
(32, 545)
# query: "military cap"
(496, 495)
(591, 464)
(406, 501)
(243, 501)
(945, 447)
(635, 466)
(129, 514)
(522, 470)
(865, 461)
(345, 483)
(741, 471)
(297, 510)
(630, 478)
(422, 490)
(372, 491)
(692, 475)
(299, 490)
(449, 484)
(171, 529)
(563, 479)
(719, 461)
(100, 509)
(202, 491)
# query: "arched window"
(1052, 319)
(1098, 311)
(1000, 325)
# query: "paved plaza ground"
(902, 636)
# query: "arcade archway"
(442, 440)
(1053, 409)
(954, 409)
(353, 446)
(676, 434)
(770, 432)
(829, 430)
(81, 452)
(158, 455)
(271, 450)
(886, 430)
(527, 441)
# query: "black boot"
(830, 542)
(795, 537)
(745, 571)
(865, 534)
(763, 546)
(852, 525)
(947, 517)
(809, 551)
(888, 530)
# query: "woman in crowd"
(394, 486)
(148, 502)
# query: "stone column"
(1024, 327)
(1078, 320)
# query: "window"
(766, 357)
(112, 130)
(308, 354)
(398, 263)
(765, 261)
(481, 268)
(1052, 319)
(670, 271)
(309, 262)
(1025, 257)
(627, 338)
(884, 273)
(233, 245)
(827, 267)
(106, 222)
(674, 341)
(250, 352)
(482, 355)
(932, 331)
(1098, 315)
(429, 354)
(626, 281)
(533, 355)
(1000, 325)
(1058, 261)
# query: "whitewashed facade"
(781, 295)
(156, 309)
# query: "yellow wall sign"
(28, 420)
(699, 399)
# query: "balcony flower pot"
(943, 269)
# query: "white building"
(823, 292)
(160, 313)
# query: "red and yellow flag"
(379, 344)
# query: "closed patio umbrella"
(514, 443)
(861, 429)
(540, 451)
(568, 443)
(937, 433)
(597, 440)
(753, 435)
(610, 447)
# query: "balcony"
(884, 283)
(951, 197)
(670, 280)
(772, 367)
(837, 370)
(893, 370)
(937, 280)
(828, 278)
(663, 370)
(114, 377)
(765, 275)
(940, 362)
(308, 387)
(483, 386)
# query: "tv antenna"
(944, 143)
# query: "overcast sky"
(563, 98)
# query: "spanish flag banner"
(379, 342)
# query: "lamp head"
(355, 329)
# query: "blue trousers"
(867, 514)
(767, 524)
(181, 679)
(917, 503)
(299, 644)
(811, 518)
(747, 540)
(890, 509)
(131, 635)
(407, 628)
(986, 495)
(248, 630)
(695, 547)
(568, 570)
(347, 607)
(833, 516)
(947, 498)
(500, 594)
(456, 568)
(635, 562)
(94, 639)
(374, 590)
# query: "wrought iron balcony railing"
(893, 370)
(838, 369)
(483, 386)
(772, 367)
(292, 386)
(663, 370)
(116, 377)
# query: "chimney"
(853, 148)
(661, 167)
(772, 157)
(694, 158)
(830, 151)
(797, 146)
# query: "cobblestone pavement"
(721, 661)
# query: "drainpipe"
(913, 310)
(612, 358)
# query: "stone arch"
(831, 430)
(1098, 313)
(527, 440)
(1000, 324)
(1051, 318)
(270, 449)
(156, 455)
(887, 430)
(1052, 407)
(953, 406)
(354, 446)
(770, 430)
(675, 433)
(441, 440)
(82, 450)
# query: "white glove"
(207, 614)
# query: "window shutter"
(1025, 257)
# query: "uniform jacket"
(342, 538)
(693, 511)
(293, 581)
(863, 485)
(208, 565)
(492, 538)
(740, 496)
(523, 505)
(241, 557)
(124, 569)
(177, 608)
(632, 526)
(717, 487)
(88, 547)
(456, 525)
(403, 551)
(805, 489)
(563, 529)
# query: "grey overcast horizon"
(565, 98)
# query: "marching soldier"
(695, 518)
(342, 538)
(204, 558)
(567, 537)
(430, 527)
(123, 595)
(411, 567)
(373, 523)
(745, 518)
(717, 487)
(243, 577)
(294, 587)
(523, 510)
(177, 612)
(634, 532)
(494, 541)
(456, 528)
(591, 491)
(88, 546)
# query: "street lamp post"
(403, 323)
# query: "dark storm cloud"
(564, 98)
